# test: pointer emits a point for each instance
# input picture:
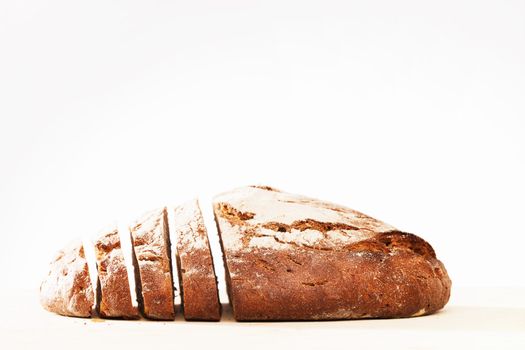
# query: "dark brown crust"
(198, 282)
(115, 297)
(320, 285)
(199, 291)
(152, 267)
(73, 297)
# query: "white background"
(410, 111)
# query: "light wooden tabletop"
(477, 318)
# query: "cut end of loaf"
(67, 288)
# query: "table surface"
(480, 318)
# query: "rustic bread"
(200, 298)
(114, 299)
(151, 247)
(290, 257)
(67, 289)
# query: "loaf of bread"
(286, 257)
(114, 293)
(290, 257)
(200, 297)
(151, 247)
(67, 289)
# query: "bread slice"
(114, 297)
(151, 246)
(200, 297)
(67, 289)
(290, 257)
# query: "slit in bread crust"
(227, 277)
(173, 259)
(126, 245)
(214, 246)
(89, 253)
(167, 240)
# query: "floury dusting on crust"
(148, 236)
(272, 219)
(186, 220)
(67, 289)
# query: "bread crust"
(290, 257)
(200, 298)
(150, 240)
(67, 289)
(114, 293)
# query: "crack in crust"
(264, 264)
(397, 240)
(386, 243)
(250, 233)
(234, 216)
(152, 257)
(109, 243)
(266, 188)
(295, 261)
(308, 224)
(383, 242)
